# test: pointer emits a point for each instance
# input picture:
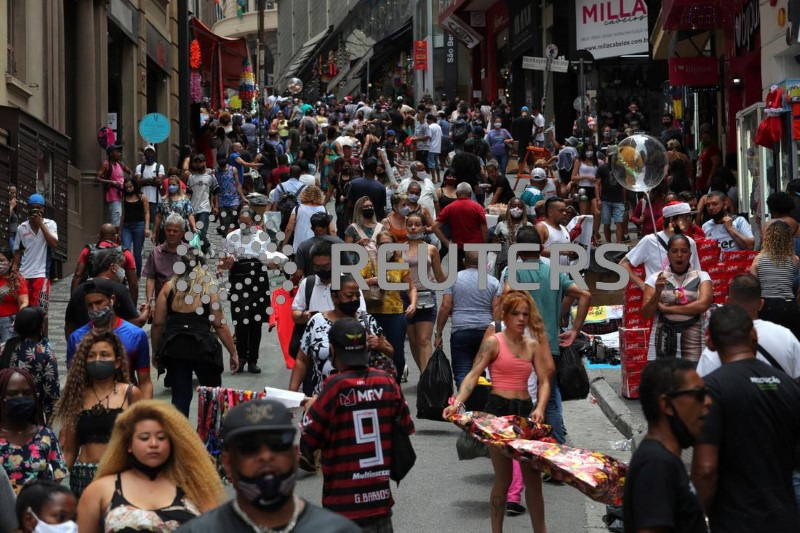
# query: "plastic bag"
(195, 242)
(435, 387)
(573, 380)
(469, 447)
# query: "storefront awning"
(397, 41)
(694, 15)
(301, 57)
(223, 54)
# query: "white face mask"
(43, 527)
(120, 273)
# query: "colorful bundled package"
(599, 476)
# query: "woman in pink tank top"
(511, 355)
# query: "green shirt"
(548, 300)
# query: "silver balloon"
(295, 85)
(639, 162)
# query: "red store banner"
(693, 71)
(420, 55)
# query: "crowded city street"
(369, 266)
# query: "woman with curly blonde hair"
(96, 392)
(511, 356)
(312, 200)
(155, 474)
(776, 267)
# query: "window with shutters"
(15, 21)
(11, 64)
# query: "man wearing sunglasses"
(658, 493)
(743, 459)
(260, 458)
(358, 403)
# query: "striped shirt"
(351, 422)
(776, 278)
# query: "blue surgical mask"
(173, 189)
(413, 198)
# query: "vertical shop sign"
(420, 55)
(450, 65)
(746, 27)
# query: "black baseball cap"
(320, 220)
(257, 416)
(349, 339)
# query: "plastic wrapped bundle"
(599, 476)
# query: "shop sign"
(611, 28)
(450, 65)
(693, 71)
(540, 63)
(521, 34)
(158, 47)
(746, 26)
(420, 55)
(462, 31)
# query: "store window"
(44, 173)
(15, 41)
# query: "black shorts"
(590, 192)
(499, 406)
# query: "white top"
(321, 299)
(720, 234)
(587, 174)
(251, 246)
(557, 235)
(147, 172)
(779, 341)
(538, 122)
(549, 189)
(426, 197)
(34, 257)
(302, 223)
(436, 138)
(654, 256)
(307, 179)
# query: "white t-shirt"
(427, 195)
(720, 234)
(436, 138)
(307, 179)
(779, 341)
(538, 122)
(150, 171)
(201, 186)
(34, 257)
(654, 256)
(549, 189)
(321, 299)
(251, 246)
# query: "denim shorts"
(422, 315)
(499, 406)
(433, 161)
(612, 212)
(114, 212)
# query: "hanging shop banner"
(746, 26)
(693, 71)
(461, 30)
(420, 55)
(450, 65)
(521, 34)
(611, 29)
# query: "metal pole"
(259, 40)
(546, 80)
(184, 96)
(367, 79)
(582, 76)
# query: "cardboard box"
(715, 270)
(630, 384)
(627, 334)
(742, 256)
(635, 359)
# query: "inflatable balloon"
(295, 85)
(638, 162)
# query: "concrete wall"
(777, 58)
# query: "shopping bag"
(403, 454)
(435, 387)
(468, 447)
(573, 380)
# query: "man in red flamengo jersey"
(351, 422)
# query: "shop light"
(737, 82)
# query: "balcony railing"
(227, 8)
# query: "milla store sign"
(611, 28)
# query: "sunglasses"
(699, 393)
(277, 442)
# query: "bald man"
(106, 238)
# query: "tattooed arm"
(486, 354)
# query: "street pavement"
(440, 493)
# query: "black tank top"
(95, 425)
(134, 211)
(444, 201)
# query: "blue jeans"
(394, 328)
(202, 229)
(464, 345)
(502, 163)
(553, 414)
(6, 328)
(133, 240)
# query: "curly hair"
(312, 195)
(198, 281)
(5, 377)
(779, 242)
(72, 395)
(190, 465)
(12, 276)
(511, 299)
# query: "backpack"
(460, 131)
(287, 202)
(269, 156)
(94, 256)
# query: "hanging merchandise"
(246, 84)
(196, 87)
(240, 5)
(770, 131)
(194, 54)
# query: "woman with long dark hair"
(13, 293)
(135, 221)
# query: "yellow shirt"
(392, 302)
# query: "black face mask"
(368, 212)
(349, 308)
(151, 472)
(679, 429)
(20, 410)
(268, 492)
(323, 275)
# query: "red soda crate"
(743, 256)
(706, 245)
(634, 359)
(708, 258)
(630, 384)
(715, 270)
(627, 334)
(637, 321)
(633, 296)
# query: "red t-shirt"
(275, 176)
(701, 183)
(130, 264)
(8, 298)
(466, 218)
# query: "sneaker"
(253, 368)
(626, 238)
(404, 379)
(514, 509)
